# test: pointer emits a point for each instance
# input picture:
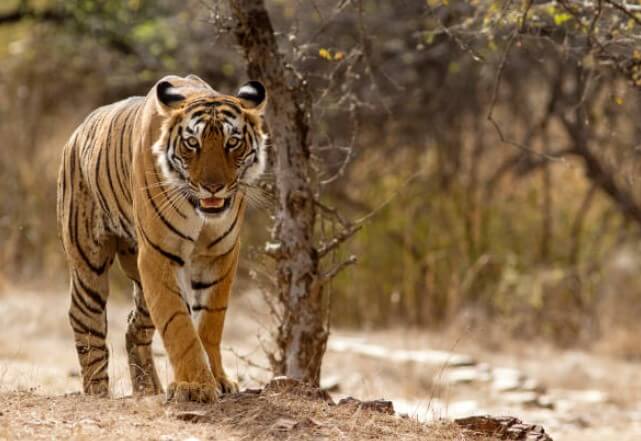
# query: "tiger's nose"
(213, 188)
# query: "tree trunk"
(303, 332)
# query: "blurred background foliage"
(508, 227)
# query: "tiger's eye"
(233, 142)
(192, 142)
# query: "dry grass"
(270, 415)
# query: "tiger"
(160, 182)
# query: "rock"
(429, 357)
(308, 423)
(193, 416)
(284, 424)
(546, 402)
(530, 384)
(507, 428)
(382, 406)
(590, 396)
(465, 375)
(523, 398)
(330, 383)
(284, 384)
(507, 379)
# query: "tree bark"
(303, 332)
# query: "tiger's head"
(210, 144)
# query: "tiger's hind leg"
(140, 334)
(89, 263)
(90, 249)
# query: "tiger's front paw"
(226, 386)
(181, 391)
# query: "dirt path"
(576, 396)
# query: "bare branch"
(245, 359)
(334, 271)
(338, 240)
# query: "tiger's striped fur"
(158, 181)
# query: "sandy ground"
(574, 395)
(270, 415)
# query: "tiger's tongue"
(212, 202)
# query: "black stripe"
(194, 104)
(86, 348)
(174, 258)
(226, 253)
(143, 343)
(188, 348)
(98, 270)
(89, 133)
(122, 162)
(172, 290)
(142, 311)
(160, 215)
(208, 309)
(81, 328)
(79, 301)
(228, 230)
(89, 233)
(95, 295)
(98, 360)
(123, 219)
(101, 197)
(180, 213)
(98, 379)
(171, 319)
(205, 285)
(173, 168)
(232, 105)
(202, 285)
(72, 220)
(125, 189)
(72, 157)
(64, 180)
(229, 114)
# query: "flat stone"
(503, 428)
(382, 406)
(521, 398)
(465, 375)
(507, 379)
(429, 357)
(192, 416)
(330, 383)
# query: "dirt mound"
(283, 410)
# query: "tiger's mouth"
(214, 205)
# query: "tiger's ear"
(167, 97)
(253, 95)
